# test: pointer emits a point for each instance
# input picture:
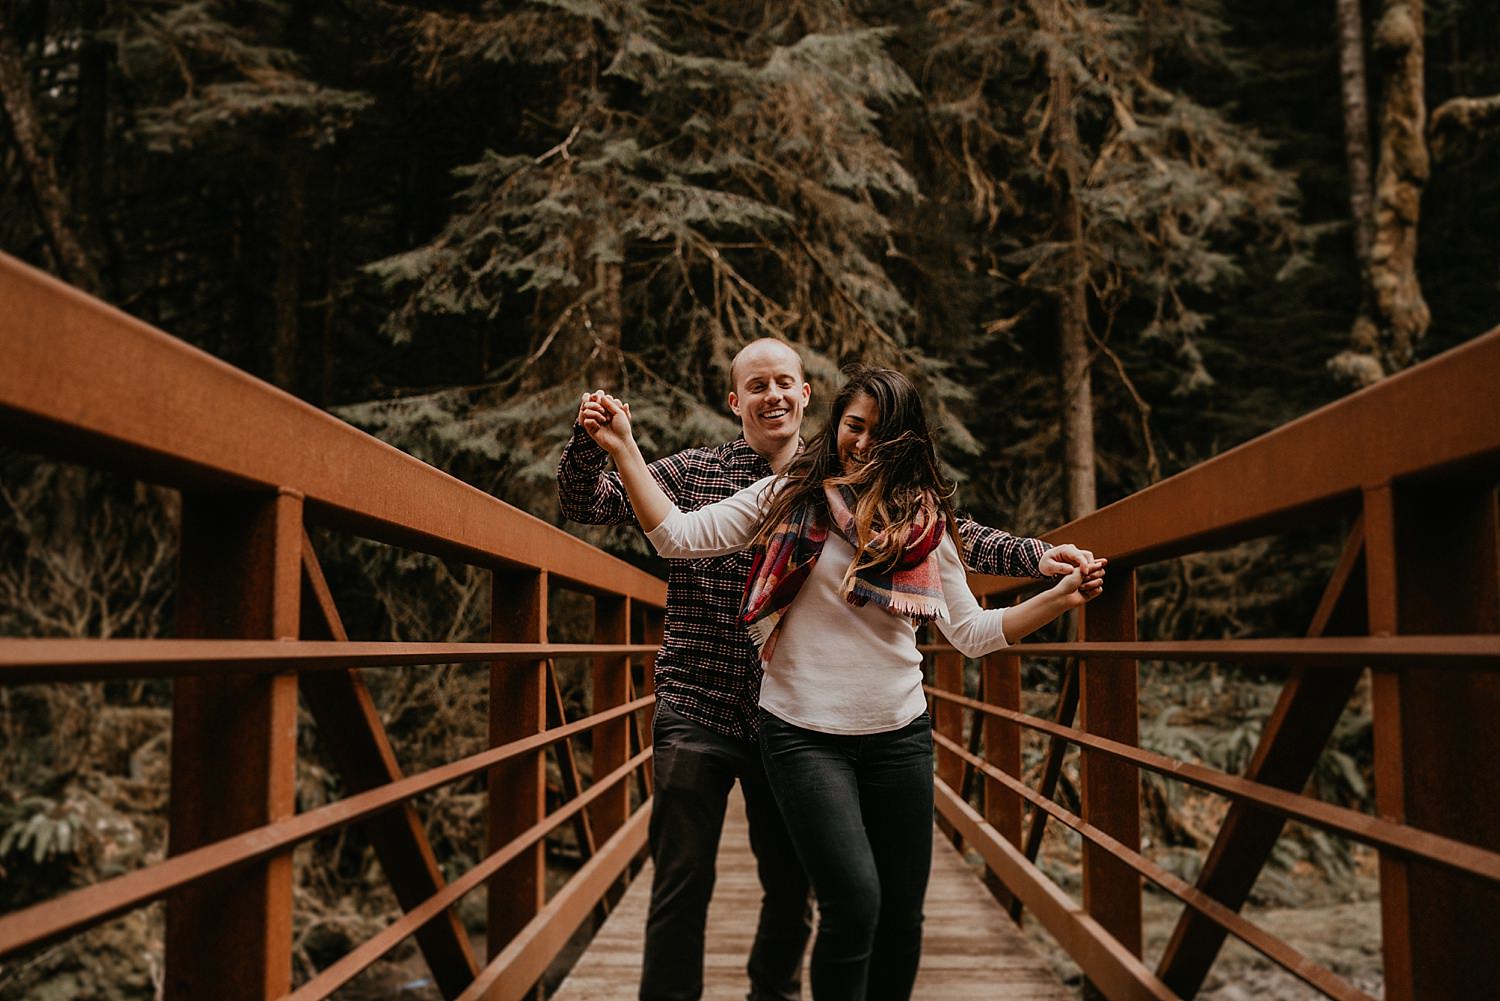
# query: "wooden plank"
(511, 975)
(1110, 966)
(970, 950)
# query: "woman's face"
(856, 432)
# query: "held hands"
(1082, 575)
(1081, 584)
(1060, 560)
(607, 421)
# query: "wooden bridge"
(971, 950)
(1405, 472)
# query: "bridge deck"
(971, 949)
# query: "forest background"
(1109, 239)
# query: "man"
(708, 683)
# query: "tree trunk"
(289, 264)
(52, 204)
(606, 318)
(1401, 314)
(1361, 363)
(93, 122)
(1080, 495)
(1356, 128)
(328, 359)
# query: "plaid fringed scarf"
(782, 565)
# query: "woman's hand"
(1084, 583)
(607, 421)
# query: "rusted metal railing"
(1412, 465)
(257, 626)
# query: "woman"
(855, 544)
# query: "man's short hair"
(734, 365)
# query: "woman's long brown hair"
(897, 486)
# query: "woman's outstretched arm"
(607, 421)
(976, 631)
(723, 527)
(1081, 585)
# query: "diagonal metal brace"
(354, 738)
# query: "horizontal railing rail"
(259, 630)
(82, 909)
(1412, 462)
(1414, 600)
(44, 660)
(85, 381)
(1475, 652)
(1438, 419)
(1269, 946)
(1352, 824)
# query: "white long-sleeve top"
(837, 668)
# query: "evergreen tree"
(685, 178)
(1113, 199)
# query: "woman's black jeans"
(859, 811)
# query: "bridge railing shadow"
(257, 627)
(1407, 470)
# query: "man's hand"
(1063, 559)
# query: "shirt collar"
(739, 450)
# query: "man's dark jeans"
(859, 810)
(695, 768)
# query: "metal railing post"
(1001, 686)
(948, 717)
(234, 747)
(1109, 707)
(518, 788)
(1433, 559)
(611, 684)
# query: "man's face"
(769, 396)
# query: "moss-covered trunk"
(1400, 312)
(1080, 495)
(1354, 91)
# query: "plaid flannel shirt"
(708, 668)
